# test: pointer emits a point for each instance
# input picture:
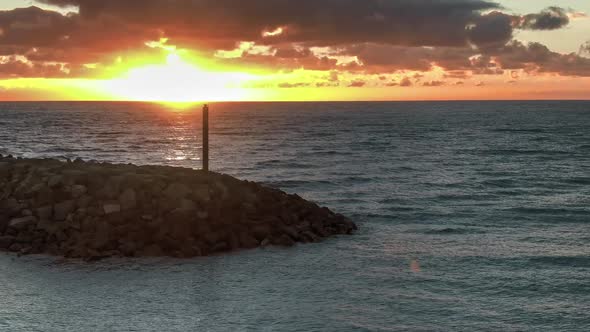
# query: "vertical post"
(206, 138)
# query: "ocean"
(474, 216)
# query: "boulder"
(49, 226)
(15, 247)
(22, 223)
(177, 191)
(247, 241)
(6, 241)
(152, 251)
(78, 190)
(63, 209)
(55, 181)
(201, 194)
(84, 201)
(111, 208)
(10, 207)
(4, 220)
(128, 199)
(283, 240)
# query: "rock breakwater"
(94, 210)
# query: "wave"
(401, 209)
(571, 261)
(578, 180)
(551, 211)
(453, 231)
(517, 152)
(294, 183)
(512, 130)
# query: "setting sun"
(178, 81)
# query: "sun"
(178, 81)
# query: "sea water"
(474, 216)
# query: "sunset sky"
(208, 50)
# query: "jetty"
(92, 210)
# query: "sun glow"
(178, 81)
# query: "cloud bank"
(464, 37)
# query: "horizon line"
(291, 101)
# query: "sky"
(294, 50)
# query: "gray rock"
(84, 201)
(202, 194)
(152, 251)
(27, 213)
(6, 241)
(177, 191)
(73, 176)
(63, 209)
(111, 208)
(284, 240)
(22, 223)
(202, 215)
(10, 207)
(223, 190)
(55, 181)
(49, 226)
(247, 241)
(187, 205)
(128, 199)
(78, 190)
(15, 247)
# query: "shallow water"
(473, 215)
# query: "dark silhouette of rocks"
(98, 210)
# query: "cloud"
(492, 30)
(551, 18)
(357, 84)
(433, 83)
(538, 58)
(294, 85)
(375, 36)
(457, 74)
(320, 22)
(406, 82)
(14, 67)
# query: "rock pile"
(98, 210)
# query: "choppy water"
(473, 215)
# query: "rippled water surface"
(473, 215)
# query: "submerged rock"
(93, 211)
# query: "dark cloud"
(378, 58)
(385, 35)
(292, 53)
(549, 19)
(33, 27)
(320, 22)
(538, 58)
(492, 30)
